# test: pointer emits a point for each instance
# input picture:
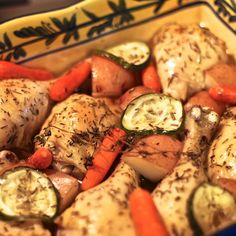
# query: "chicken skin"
(74, 130)
(102, 210)
(24, 105)
(183, 53)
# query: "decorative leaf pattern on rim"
(120, 14)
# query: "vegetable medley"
(138, 139)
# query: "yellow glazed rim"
(26, 38)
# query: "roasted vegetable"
(9, 70)
(203, 99)
(65, 85)
(130, 55)
(145, 215)
(226, 94)
(153, 113)
(154, 156)
(41, 159)
(131, 94)
(109, 79)
(210, 209)
(221, 74)
(151, 79)
(26, 193)
(67, 186)
(104, 157)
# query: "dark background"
(14, 8)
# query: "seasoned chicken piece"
(171, 196)
(182, 55)
(24, 105)
(222, 154)
(22, 229)
(74, 129)
(102, 210)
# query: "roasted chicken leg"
(222, 154)
(172, 194)
(74, 129)
(102, 210)
(183, 53)
(24, 105)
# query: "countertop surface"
(14, 8)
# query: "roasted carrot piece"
(67, 83)
(9, 70)
(151, 79)
(103, 158)
(225, 94)
(41, 159)
(146, 218)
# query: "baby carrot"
(9, 70)
(67, 83)
(146, 218)
(103, 158)
(225, 94)
(41, 159)
(151, 79)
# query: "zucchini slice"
(211, 208)
(27, 193)
(153, 113)
(132, 55)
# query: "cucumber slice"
(131, 55)
(211, 208)
(153, 113)
(27, 193)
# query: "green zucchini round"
(210, 208)
(153, 113)
(26, 193)
(131, 55)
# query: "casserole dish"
(57, 40)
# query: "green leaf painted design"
(8, 57)
(120, 12)
(158, 3)
(67, 29)
(121, 9)
(113, 6)
(2, 46)
(51, 31)
(13, 52)
(7, 41)
(98, 29)
(90, 15)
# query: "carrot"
(225, 94)
(9, 70)
(67, 83)
(41, 159)
(146, 218)
(103, 158)
(151, 79)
